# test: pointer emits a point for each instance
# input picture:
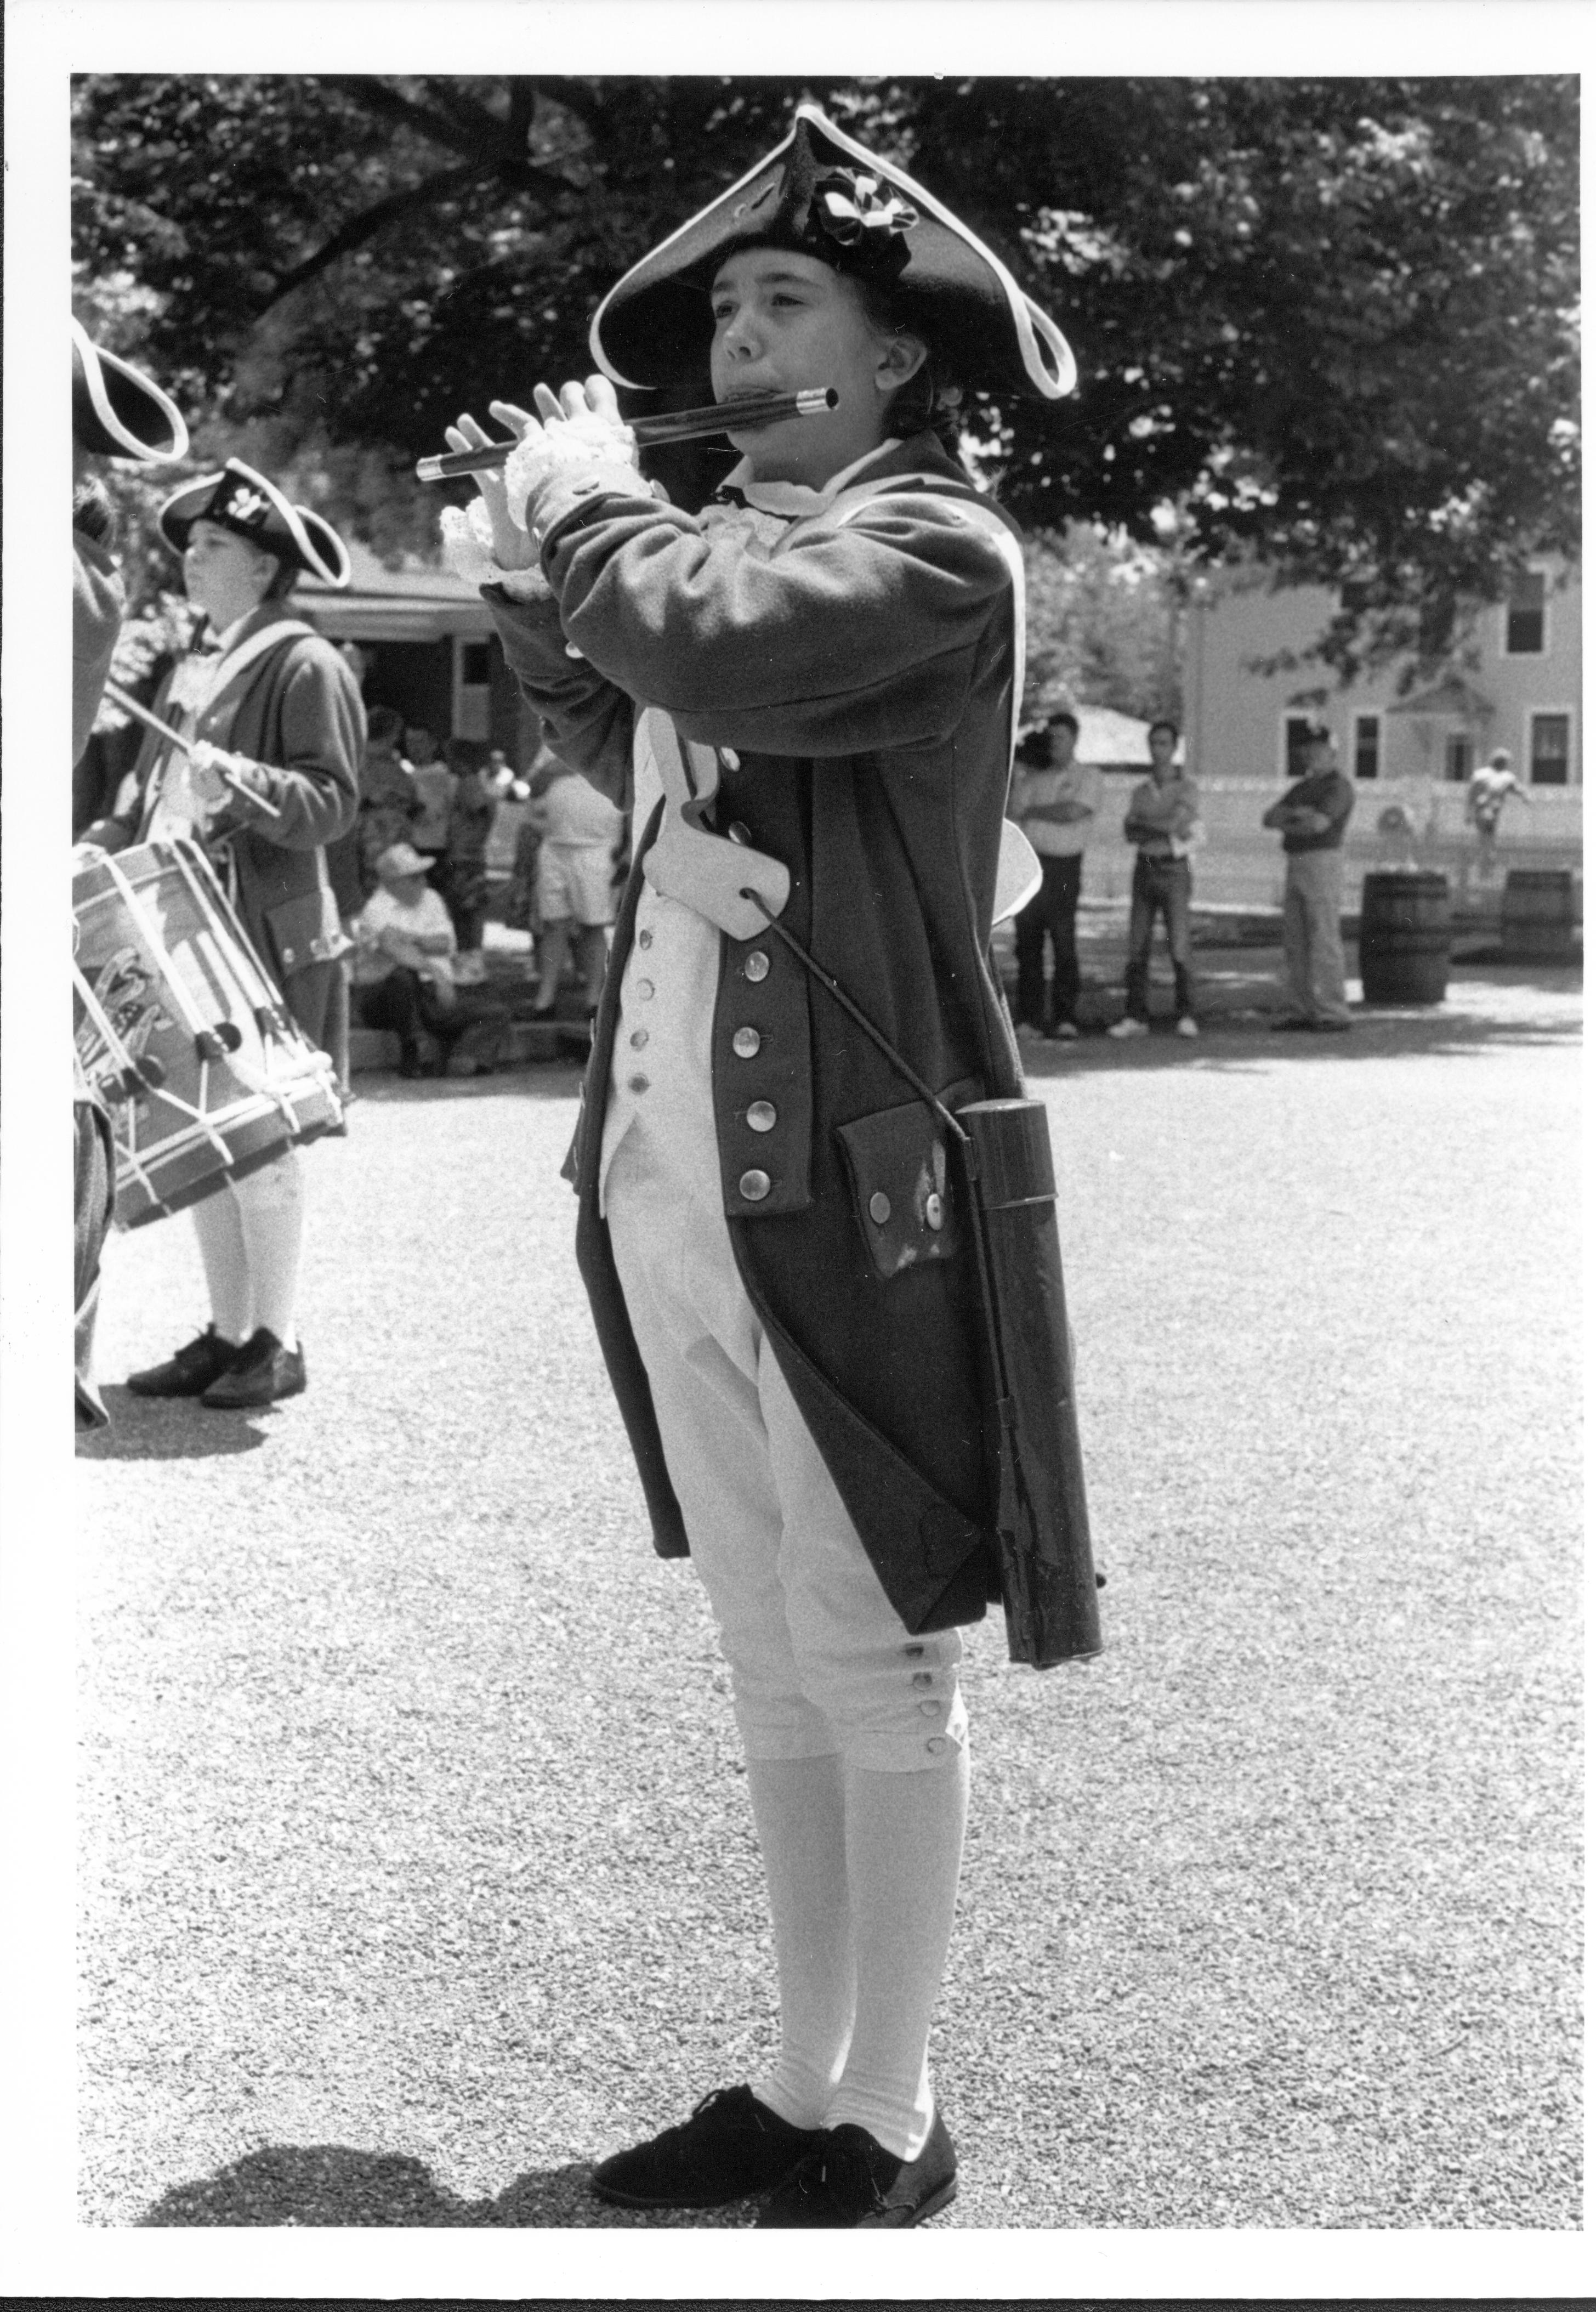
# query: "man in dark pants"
(1163, 822)
(1055, 800)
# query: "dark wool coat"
(296, 714)
(97, 602)
(859, 675)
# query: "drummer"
(275, 706)
(117, 413)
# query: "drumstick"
(228, 778)
(678, 426)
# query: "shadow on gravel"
(153, 1430)
(539, 1080)
(1232, 1041)
(326, 2184)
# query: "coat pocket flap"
(902, 1191)
(306, 931)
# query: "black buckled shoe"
(262, 1371)
(191, 1371)
(848, 2183)
(732, 2147)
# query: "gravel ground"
(417, 1870)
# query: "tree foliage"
(1332, 322)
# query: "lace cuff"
(467, 536)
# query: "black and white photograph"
(825, 869)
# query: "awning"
(1450, 700)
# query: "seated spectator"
(581, 836)
(471, 816)
(403, 971)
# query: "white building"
(1512, 681)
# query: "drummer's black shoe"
(262, 1371)
(191, 1371)
(732, 2147)
(846, 2182)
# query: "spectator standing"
(1311, 818)
(471, 816)
(388, 800)
(434, 794)
(404, 972)
(1489, 789)
(1055, 800)
(1164, 823)
(581, 832)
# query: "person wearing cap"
(118, 414)
(806, 693)
(1055, 799)
(277, 709)
(405, 973)
(1311, 819)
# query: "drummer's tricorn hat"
(822, 193)
(239, 499)
(117, 412)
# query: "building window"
(1550, 749)
(1459, 754)
(1365, 747)
(1526, 616)
(474, 689)
(1298, 729)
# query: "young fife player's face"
(784, 322)
(223, 573)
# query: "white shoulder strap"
(234, 662)
(1019, 871)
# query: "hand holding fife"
(580, 426)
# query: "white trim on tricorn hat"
(941, 266)
(115, 411)
(240, 500)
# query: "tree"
(1331, 321)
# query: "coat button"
(762, 1116)
(757, 966)
(933, 1211)
(637, 1083)
(754, 1185)
(638, 1039)
(739, 833)
(745, 1043)
(645, 939)
(881, 1209)
(730, 758)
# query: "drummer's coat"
(860, 678)
(296, 715)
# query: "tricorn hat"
(116, 411)
(822, 193)
(239, 499)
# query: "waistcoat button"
(637, 1083)
(730, 758)
(638, 1039)
(881, 1209)
(645, 939)
(745, 1043)
(762, 1116)
(754, 1185)
(643, 989)
(757, 966)
(739, 833)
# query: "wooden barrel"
(1538, 915)
(1404, 937)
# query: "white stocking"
(272, 1210)
(799, 1814)
(220, 1228)
(906, 1842)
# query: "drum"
(182, 1033)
